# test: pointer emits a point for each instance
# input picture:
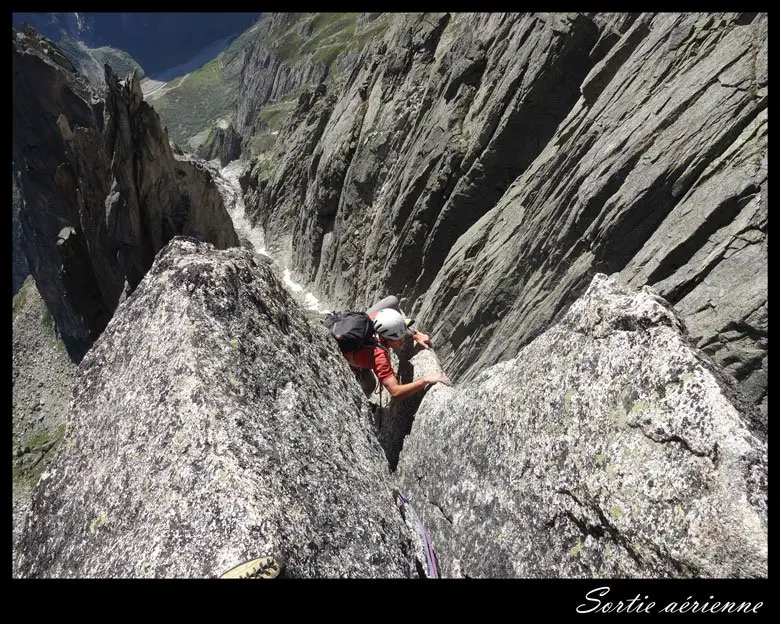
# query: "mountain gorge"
(573, 205)
(485, 167)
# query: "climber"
(391, 330)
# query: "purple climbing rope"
(430, 556)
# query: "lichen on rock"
(609, 447)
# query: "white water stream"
(254, 235)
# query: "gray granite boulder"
(609, 447)
(212, 423)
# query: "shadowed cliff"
(103, 189)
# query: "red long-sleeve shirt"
(375, 358)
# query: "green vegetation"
(328, 54)
(37, 453)
(20, 298)
(330, 29)
(330, 22)
(175, 82)
(288, 46)
(262, 143)
(272, 115)
(331, 34)
(269, 121)
(363, 38)
(100, 521)
(44, 439)
(28, 301)
(196, 102)
(287, 21)
(208, 143)
(47, 322)
(452, 28)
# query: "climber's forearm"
(402, 391)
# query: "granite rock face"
(225, 146)
(42, 379)
(610, 447)
(266, 78)
(103, 189)
(394, 418)
(292, 51)
(485, 166)
(489, 169)
(19, 262)
(212, 423)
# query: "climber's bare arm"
(402, 391)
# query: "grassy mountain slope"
(192, 106)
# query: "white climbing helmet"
(389, 324)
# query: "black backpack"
(351, 330)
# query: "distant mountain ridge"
(91, 61)
(157, 41)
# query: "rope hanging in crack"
(430, 556)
